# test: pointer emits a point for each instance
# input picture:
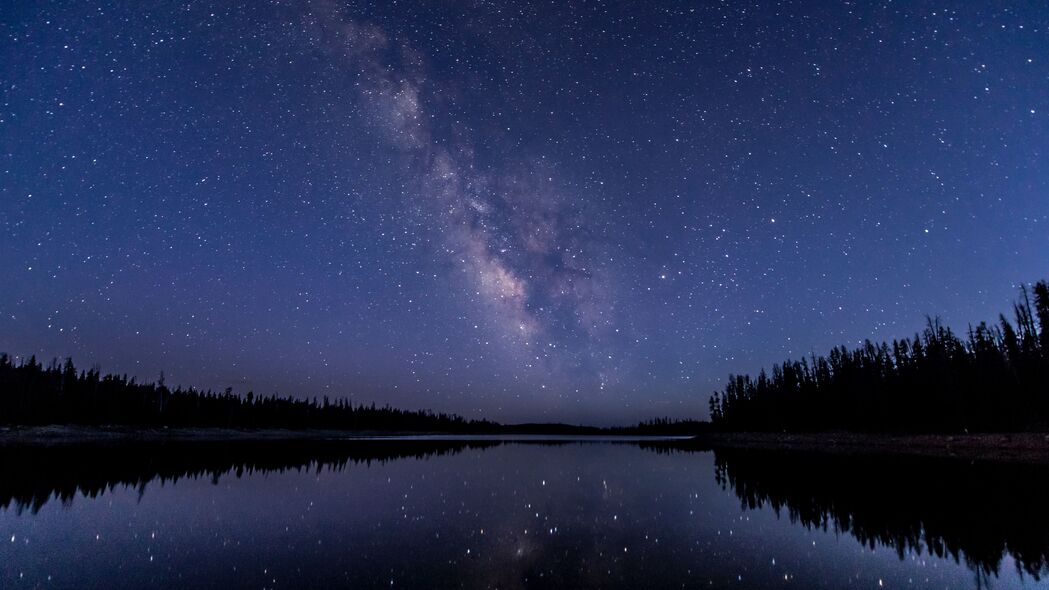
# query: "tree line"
(34, 394)
(996, 378)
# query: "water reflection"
(976, 512)
(35, 475)
(444, 513)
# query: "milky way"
(575, 211)
(511, 233)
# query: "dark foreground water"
(489, 514)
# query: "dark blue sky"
(562, 211)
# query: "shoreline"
(1026, 447)
(59, 435)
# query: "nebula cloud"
(520, 242)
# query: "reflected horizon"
(499, 513)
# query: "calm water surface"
(485, 514)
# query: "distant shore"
(1025, 447)
(59, 435)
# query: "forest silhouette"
(32, 394)
(996, 379)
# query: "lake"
(512, 514)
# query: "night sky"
(578, 211)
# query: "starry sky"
(579, 211)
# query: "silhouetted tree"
(996, 379)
